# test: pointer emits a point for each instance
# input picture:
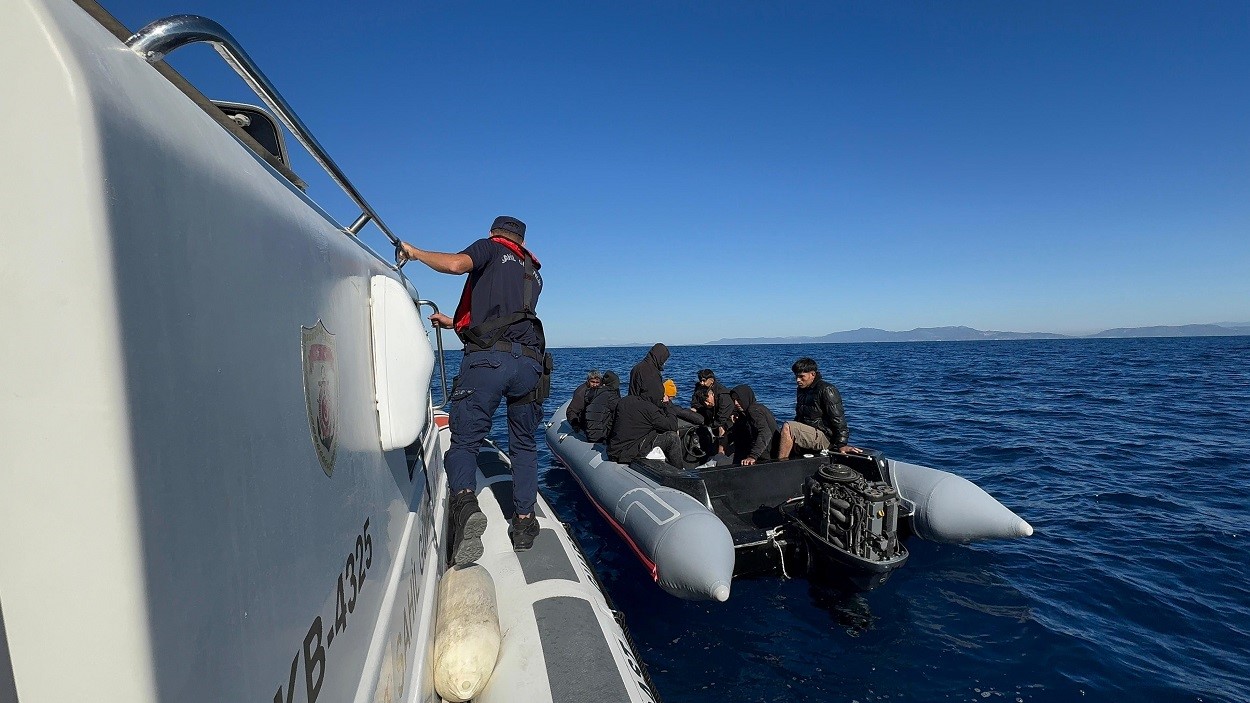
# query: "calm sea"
(1130, 458)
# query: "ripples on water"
(1130, 458)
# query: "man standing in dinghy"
(504, 358)
(819, 422)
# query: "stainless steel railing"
(442, 360)
(165, 36)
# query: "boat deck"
(560, 633)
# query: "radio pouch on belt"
(542, 390)
(544, 383)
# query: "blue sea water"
(1130, 458)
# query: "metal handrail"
(162, 37)
(442, 359)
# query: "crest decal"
(321, 391)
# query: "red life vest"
(463, 322)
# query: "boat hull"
(194, 484)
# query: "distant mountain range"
(964, 334)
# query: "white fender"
(466, 638)
(402, 363)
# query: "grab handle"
(442, 361)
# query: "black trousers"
(670, 444)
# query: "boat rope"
(782, 554)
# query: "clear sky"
(698, 170)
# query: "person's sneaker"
(468, 524)
(523, 532)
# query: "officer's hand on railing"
(405, 252)
(438, 319)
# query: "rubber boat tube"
(687, 549)
(952, 509)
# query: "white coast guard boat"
(222, 472)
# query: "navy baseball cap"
(509, 224)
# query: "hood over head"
(744, 395)
(644, 378)
(643, 386)
(658, 356)
(611, 380)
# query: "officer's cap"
(509, 224)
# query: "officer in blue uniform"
(505, 359)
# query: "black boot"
(523, 532)
(467, 526)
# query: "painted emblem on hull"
(321, 392)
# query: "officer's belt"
(506, 346)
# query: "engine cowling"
(853, 514)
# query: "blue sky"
(697, 170)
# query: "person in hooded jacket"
(643, 421)
(754, 432)
(601, 408)
(577, 405)
(648, 374)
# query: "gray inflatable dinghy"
(694, 529)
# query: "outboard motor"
(851, 525)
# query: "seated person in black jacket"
(643, 421)
(719, 416)
(704, 401)
(819, 422)
(601, 408)
(577, 405)
(754, 432)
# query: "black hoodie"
(601, 408)
(645, 379)
(577, 406)
(755, 429)
(641, 415)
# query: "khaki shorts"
(808, 437)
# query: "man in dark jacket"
(642, 420)
(577, 405)
(754, 432)
(720, 416)
(819, 422)
(704, 403)
(601, 408)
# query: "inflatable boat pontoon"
(843, 517)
